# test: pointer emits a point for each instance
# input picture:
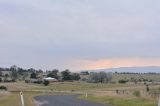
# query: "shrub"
(46, 82)
(3, 88)
(136, 93)
(147, 88)
(123, 81)
(38, 82)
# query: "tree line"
(17, 73)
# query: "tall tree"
(33, 75)
(6, 77)
(14, 74)
(53, 74)
(76, 76)
(66, 75)
(1, 74)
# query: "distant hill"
(146, 69)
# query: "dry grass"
(14, 99)
(99, 92)
(121, 101)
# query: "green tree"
(53, 74)
(33, 75)
(66, 75)
(1, 74)
(6, 77)
(50, 75)
(76, 76)
(14, 74)
(46, 82)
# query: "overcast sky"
(79, 34)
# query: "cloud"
(114, 63)
(55, 33)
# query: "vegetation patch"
(117, 101)
(46, 82)
(14, 99)
(3, 88)
(137, 93)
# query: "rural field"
(129, 94)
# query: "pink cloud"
(113, 63)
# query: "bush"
(10, 80)
(46, 82)
(147, 88)
(123, 81)
(3, 88)
(38, 82)
(136, 93)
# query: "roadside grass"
(14, 99)
(29, 98)
(32, 90)
(116, 101)
(61, 86)
(10, 100)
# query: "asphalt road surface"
(63, 100)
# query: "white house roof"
(49, 78)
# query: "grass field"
(153, 77)
(117, 101)
(61, 86)
(102, 93)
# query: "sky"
(79, 34)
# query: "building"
(50, 79)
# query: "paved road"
(63, 100)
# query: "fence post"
(22, 99)
(86, 95)
(159, 101)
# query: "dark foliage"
(123, 81)
(33, 75)
(3, 88)
(46, 82)
(66, 75)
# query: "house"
(50, 79)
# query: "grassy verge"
(100, 90)
(14, 99)
(135, 101)
(11, 100)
